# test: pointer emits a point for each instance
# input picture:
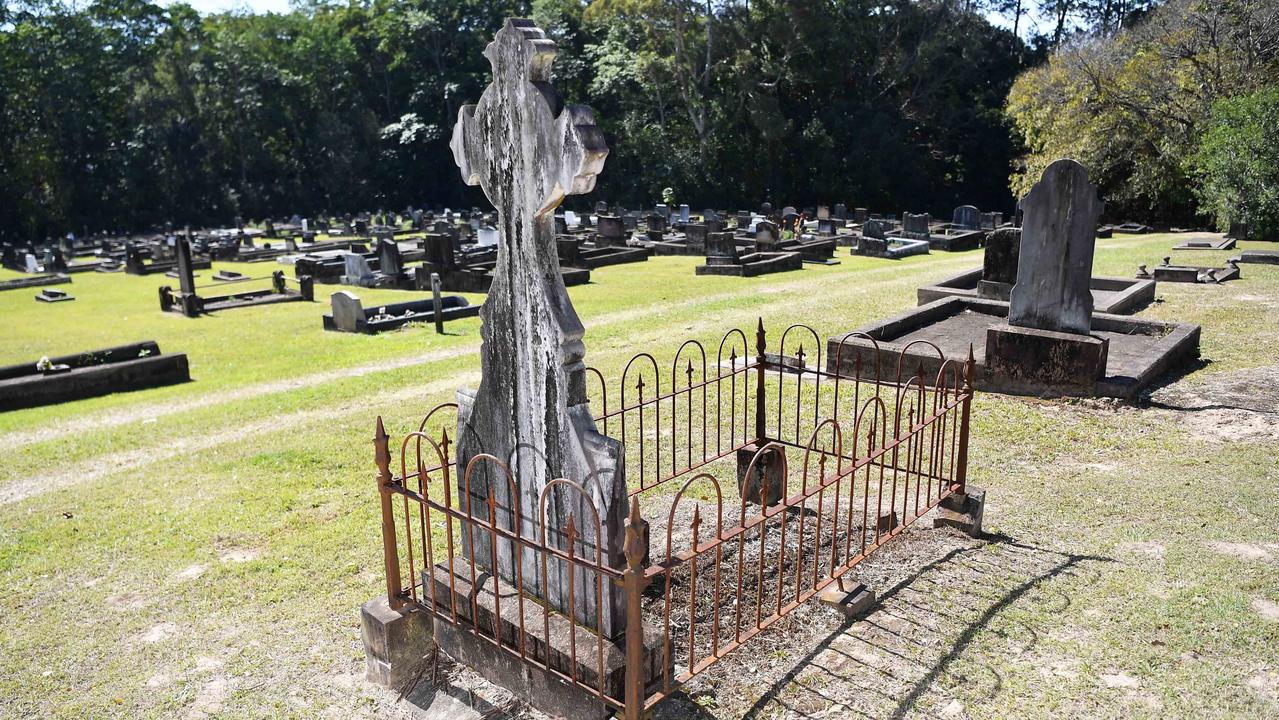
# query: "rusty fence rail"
(846, 461)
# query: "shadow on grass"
(881, 664)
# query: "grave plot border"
(1133, 294)
(139, 366)
(875, 441)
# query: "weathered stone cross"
(531, 411)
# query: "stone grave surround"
(530, 409)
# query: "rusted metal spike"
(570, 529)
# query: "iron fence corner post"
(633, 582)
(390, 554)
(961, 472)
(760, 363)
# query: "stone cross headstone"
(1054, 266)
(966, 217)
(530, 409)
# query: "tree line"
(1173, 115)
(124, 115)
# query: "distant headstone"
(388, 255)
(32, 265)
(915, 226)
(358, 271)
(347, 311)
(859, 215)
(876, 229)
(966, 217)
(823, 212)
(683, 213)
(1054, 269)
(841, 211)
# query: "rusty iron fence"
(877, 448)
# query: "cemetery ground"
(202, 549)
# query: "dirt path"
(176, 446)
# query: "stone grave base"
(1260, 257)
(541, 688)
(891, 248)
(349, 315)
(1116, 296)
(50, 295)
(91, 374)
(603, 256)
(1138, 351)
(479, 280)
(956, 240)
(757, 263)
(1192, 274)
(36, 281)
(1034, 357)
(1216, 243)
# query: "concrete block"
(962, 511)
(852, 602)
(395, 641)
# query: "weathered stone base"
(1043, 357)
(541, 688)
(962, 511)
(852, 602)
(771, 465)
(395, 641)
(1260, 257)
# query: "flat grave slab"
(349, 314)
(1206, 241)
(90, 374)
(1139, 350)
(1117, 296)
(49, 295)
(1259, 257)
(1168, 272)
(38, 281)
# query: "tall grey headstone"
(530, 409)
(1054, 265)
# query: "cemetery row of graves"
(598, 539)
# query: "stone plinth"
(549, 642)
(770, 467)
(1046, 358)
(962, 511)
(395, 641)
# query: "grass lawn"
(202, 549)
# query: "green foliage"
(122, 114)
(1133, 106)
(1238, 163)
